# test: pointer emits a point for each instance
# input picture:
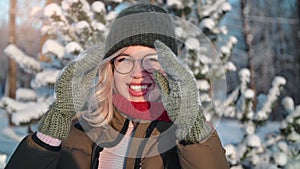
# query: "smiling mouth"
(139, 87)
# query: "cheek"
(119, 82)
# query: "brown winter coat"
(78, 151)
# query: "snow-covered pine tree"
(75, 25)
(198, 52)
(252, 148)
(276, 149)
(206, 48)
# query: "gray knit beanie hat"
(140, 24)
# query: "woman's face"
(133, 76)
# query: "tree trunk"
(11, 86)
(248, 42)
(298, 50)
(11, 83)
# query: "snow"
(225, 50)
(53, 47)
(98, 26)
(223, 30)
(250, 129)
(46, 29)
(225, 7)
(23, 112)
(73, 47)
(82, 26)
(52, 9)
(253, 140)
(230, 66)
(229, 111)
(280, 158)
(66, 5)
(46, 77)
(245, 74)
(205, 97)
(230, 150)
(117, 1)
(85, 7)
(98, 7)
(208, 23)
(3, 159)
(176, 3)
(111, 16)
(293, 165)
(25, 94)
(203, 85)
(283, 146)
(26, 62)
(279, 81)
(36, 12)
(294, 136)
(272, 96)
(233, 40)
(288, 104)
(265, 165)
(33, 111)
(237, 167)
(249, 94)
(9, 137)
(70, 1)
(210, 8)
(179, 32)
(205, 69)
(192, 43)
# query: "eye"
(152, 58)
(122, 58)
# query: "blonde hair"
(103, 112)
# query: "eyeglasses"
(124, 63)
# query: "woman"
(147, 112)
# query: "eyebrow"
(123, 54)
(126, 54)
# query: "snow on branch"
(45, 78)
(3, 158)
(53, 47)
(23, 112)
(218, 7)
(27, 63)
(272, 96)
(25, 94)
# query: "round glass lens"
(123, 63)
(150, 63)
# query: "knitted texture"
(180, 96)
(71, 90)
(140, 24)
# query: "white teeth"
(138, 87)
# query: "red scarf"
(141, 110)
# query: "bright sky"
(4, 5)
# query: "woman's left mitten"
(180, 96)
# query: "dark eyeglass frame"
(133, 61)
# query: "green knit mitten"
(180, 96)
(71, 90)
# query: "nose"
(138, 70)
